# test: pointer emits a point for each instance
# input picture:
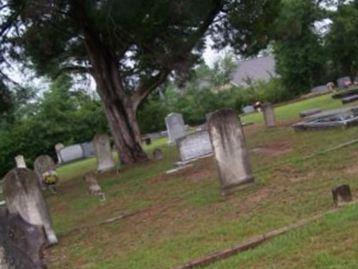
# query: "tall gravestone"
(269, 115)
(23, 196)
(104, 154)
(175, 126)
(231, 155)
(21, 243)
(58, 148)
(43, 164)
(20, 161)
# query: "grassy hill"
(171, 219)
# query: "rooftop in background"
(260, 68)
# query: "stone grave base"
(227, 190)
(341, 118)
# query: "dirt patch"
(275, 149)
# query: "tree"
(299, 52)
(129, 46)
(342, 40)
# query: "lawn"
(182, 216)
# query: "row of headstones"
(224, 138)
(176, 127)
(99, 147)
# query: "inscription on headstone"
(104, 155)
(175, 126)
(23, 196)
(194, 146)
(231, 155)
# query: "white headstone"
(231, 155)
(175, 126)
(195, 145)
(71, 153)
(23, 196)
(43, 164)
(20, 161)
(104, 154)
(248, 109)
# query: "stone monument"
(269, 115)
(104, 154)
(23, 196)
(175, 126)
(43, 164)
(231, 155)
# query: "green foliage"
(60, 116)
(300, 56)
(342, 41)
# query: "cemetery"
(99, 220)
(178, 134)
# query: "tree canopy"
(130, 47)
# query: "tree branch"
(145, 87)
(74, 69)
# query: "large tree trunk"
(119, 107)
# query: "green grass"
(292, 110)
(185, 217)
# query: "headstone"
(341, 193)
(195, 145)
(344, 82)
(248, 109)
(23, 196)
(157, 154)
(231, 155)
(175, 126)
(92, 185)
(88, 149)
(58, 148)
(21, 243)
(20, 161)
(71, 153)
(104, 154)
(43, 164)
(320, 89)
(309, 112)
(269, 115)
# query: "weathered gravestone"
(92, 185)
(43, 164)
(23, 196)
(195, 145)
(88, 149)
(20, 161)
(104, 155)
(158, 154)
(71, 153)
(58, 148)
(344, 82)
(341, 193)
(175, 126)
(231, 155)
(21, 244)
(269, 114)
(248, 109)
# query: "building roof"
(260, 68)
